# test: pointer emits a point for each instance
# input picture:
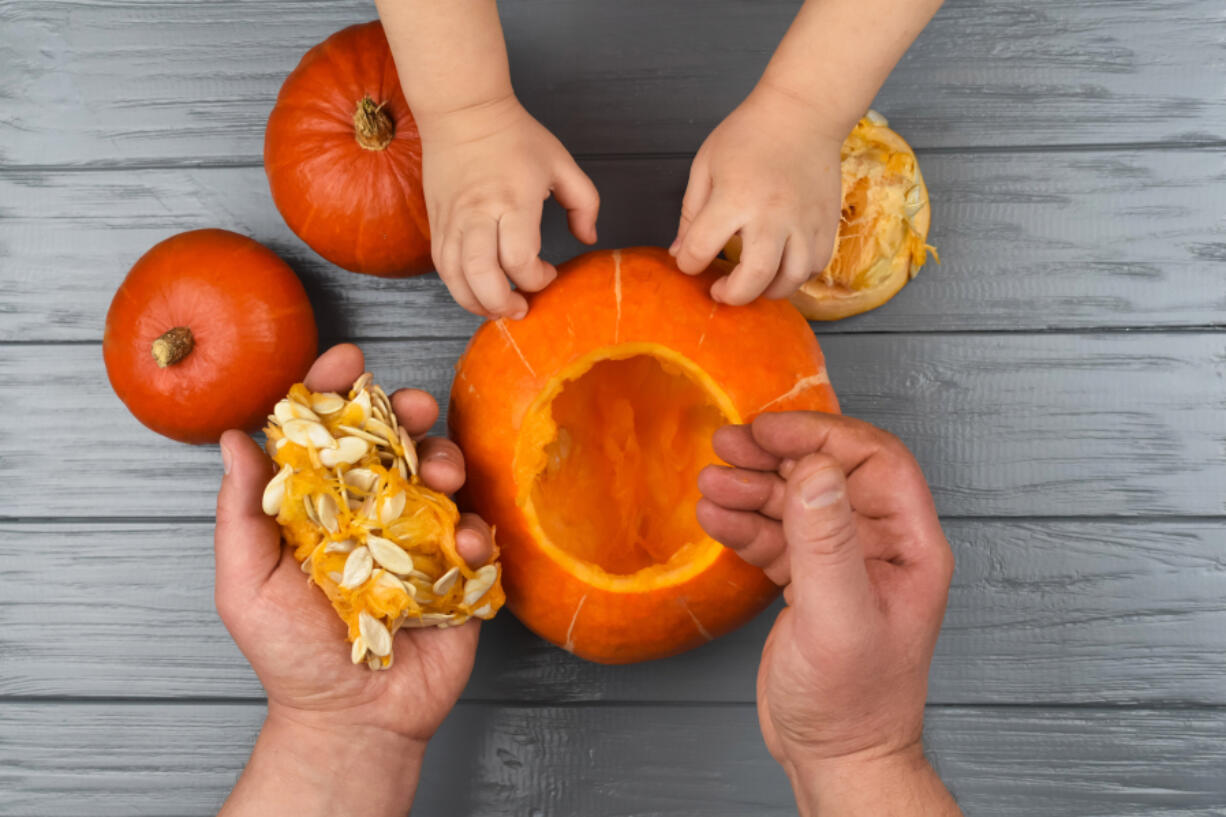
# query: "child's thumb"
(829, 581)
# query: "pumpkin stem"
(173, 346)
(373, 126)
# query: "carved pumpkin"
(343, 157)
(584, 427)
(206, 332)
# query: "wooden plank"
(1027, 241)
(164, 759)
(1039, 613)
(105, 82)
(1005, 425)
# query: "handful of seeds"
(378, 542)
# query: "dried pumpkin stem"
(373, 126)
(173, 346)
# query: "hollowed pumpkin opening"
(608, 464)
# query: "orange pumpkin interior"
(635, 420)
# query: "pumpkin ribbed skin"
(617, 306)
(361, 208)
(252, 326)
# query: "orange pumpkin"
(343, 157)
(208, 330)
(584, 427)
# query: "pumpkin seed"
(876, 118)
(374, 633)
(287, 410)
(362, 382)
(357, 568)
(308, 504)
(327, 402)
(354, 431)
(389, 555)
(363, 479)
(335, 577)
(479, 584)
(362, 401)
(484, 611)
(410, 451)
(375, 664)
(274, 492)
(391, 508)
(343, 546)
(309, 433)
(348, 451)
(443, 586)
(326, 510)
(358, 652)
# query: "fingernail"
(225, 459)
(822, 489)
(519, 314)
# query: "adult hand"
(838, 513)
(354, 736)
(770, 173)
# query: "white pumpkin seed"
(274, 492)
(287, 410)
(374, 663)
(382, 429)
(326, 510)
(357, 568)
(363, 381)
(348, 451)
(374, 633)
(354, 431)
(343, 546)
(363, 479)
(484, 611)
(391, 508)
(308, 432)
(876, 118)
(358, 652)
(443, 586)
(389, 555)
(410, 451)
(327, 402)
(479, 584)
(308, 504)
(362, 401)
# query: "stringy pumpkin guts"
(366, 530)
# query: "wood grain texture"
(102, 82)
(1027, 241)
(1039, 613)
(1004, 425)
(152, 759)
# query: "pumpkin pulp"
(635, 419)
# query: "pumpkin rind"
(252, 329)
(360, 208)
(763, 357)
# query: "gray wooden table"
(1061, 376)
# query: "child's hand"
(769, 172)
(288, 631)
(486, 174)
(838, 513)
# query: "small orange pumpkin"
(207, 331)
(343, 157)
(584, 427)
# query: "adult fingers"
(474, 540)
(336, 369)
(442, 464)
(519, 249)
(713, 225)
(794, 268)
(479, 260)
(416, 410)
(830, 584)
(753, 537)
(735, 445)
(743, 490)
(759, 264)
(576, 193)
(246, 541)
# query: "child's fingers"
(576, 192)
(452, 273)
(697, 191)
(758, 266)
(710, 230)
(794, 268)
(519, 249)
(479, 260)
